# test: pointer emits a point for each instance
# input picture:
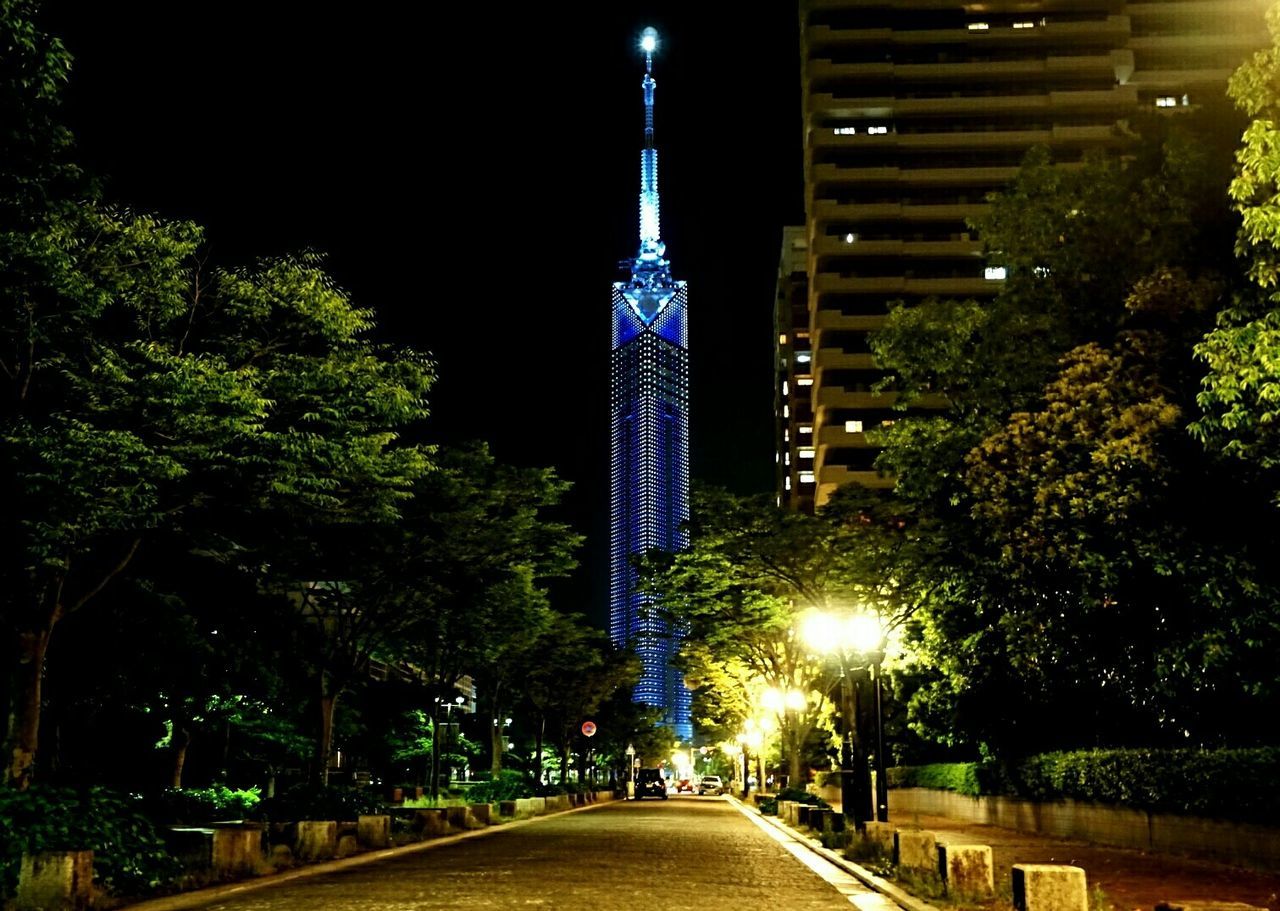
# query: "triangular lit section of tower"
(649, 419)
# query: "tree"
(1240, 398)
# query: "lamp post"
(631, 771)
(845, 635)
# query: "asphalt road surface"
(681, 854)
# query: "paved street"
(681, 854)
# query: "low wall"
(1108, 825)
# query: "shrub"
(129, 857)
(508, 786)
(1241, 785)
(306, 801)
(193, 806)
(799, 795)
(769, 806)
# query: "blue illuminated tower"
(649, 405)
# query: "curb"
(201, 897)
(866, 877)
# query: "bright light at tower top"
(649, 40)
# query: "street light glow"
(649, 40)
(827, 633)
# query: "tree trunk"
(537, 750)
(434, 784)
(564, 761)
(181, 740)
(324, 744)
(23, 734)
(794, 770)
(497, 745)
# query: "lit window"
(786, 411)
(804, 428)
(805, 453)
(1186, 100)
(786, 435)
(803, 357)
(1040, 271)
(877, 131)
(853, 427)
(979, 26)
(1024, 25)
(804, 381)
(806, 477)
(850, 238)
(785, 389)
(786, 482)
(995, 273)
(802, 335)
(786, 458)
(782, 339)
(886, 423)
(1166, 101)
(846, 131)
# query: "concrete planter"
(237, 849)
(315, 839)
(374, 831)
(55, 881)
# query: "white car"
(711, 784)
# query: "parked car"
(650, 783)
(684, 784)
(711, 784)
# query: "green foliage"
(129, 856)
(309, 801)
(509, 785)
(197, 806)
(769, 806)
(800, 795)
(1241, 785)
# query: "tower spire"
(650, 226)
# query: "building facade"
(914, 111)
(649, 421)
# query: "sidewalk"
(1129, 879)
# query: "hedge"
(1242, 785)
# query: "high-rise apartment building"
(914, 111)
(649, 420)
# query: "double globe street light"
(856, 640)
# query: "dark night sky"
(473, 175)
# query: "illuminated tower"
(649, 405)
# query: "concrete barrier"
(818, 818)
(802, 814)
(524, 805)
(374, 831)
(460, 818)
(237, 849)
(1049, 887)
(55, 881)
(482, 813)
(539, 805)
(507, 807)
(315, 839)
(431, 821)
(880, 836)
(966, 870)
(915, 849)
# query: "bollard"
(1049, 887)
(966, 871)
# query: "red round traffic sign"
(588, 728)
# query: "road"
(681, 854)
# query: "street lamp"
(631, 771)
(845, 635)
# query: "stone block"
(237, 849)
(315, 839)
(460, 818)
(836, 821)
(281, 856)
(347, 845)
(880, 836)
(802, 814)
(538, 805)
(966, 870)
(374, 831)
(482, 813)
(1049, 887)
(55, 881)
(508, 807)
(915, 849)
(818, 818)
(1193, 905)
